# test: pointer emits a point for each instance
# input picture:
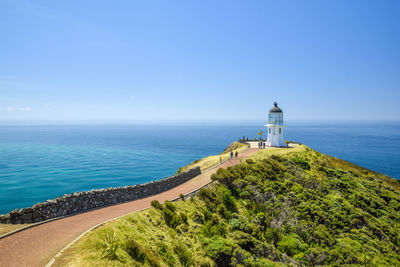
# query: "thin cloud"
(25, 109)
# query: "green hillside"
(299, 208)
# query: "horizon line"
(178, 121)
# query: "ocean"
(40, 162)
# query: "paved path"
(36, 246)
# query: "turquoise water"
(42, 162)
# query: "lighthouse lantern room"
(275, 127)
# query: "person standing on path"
(231, 154)
(236, 154)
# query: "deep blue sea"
(40, 162)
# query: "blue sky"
(199, 60)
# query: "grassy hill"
(274, 209)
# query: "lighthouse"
(275, 127)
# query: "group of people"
(236, 154)
(261, 144)
(231, 154)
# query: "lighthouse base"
(275, 136)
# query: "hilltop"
(279, 207)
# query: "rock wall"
(85, 201)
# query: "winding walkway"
(37, 245)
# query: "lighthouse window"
(280, 130)
(269, 130)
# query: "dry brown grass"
(7, 228)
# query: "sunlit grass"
(267, 152)
(213, 160)
(7, 228)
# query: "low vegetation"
(279, 209)
(8, 228)
(210, 161)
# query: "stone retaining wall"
(88, 200)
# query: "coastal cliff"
(280, 207)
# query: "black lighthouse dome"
(275, 109)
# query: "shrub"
(184, 217)
(223, 211)
(140, 254)
(220, 250)
(277, 158)
(291, 245)
(207, 194)
(244, 240)
(234, 224)
(171, 218)
(169, 205)
(302, 163)
(316, 256)
(274, 235)
(182, 197)
(165, 254)
(111, 246)
(207, 215)
(176, 220)
(156, 204)
(214, 229)
(135, 250)
(184, 255)
(198, 218)
(228, 199)
(168, 215)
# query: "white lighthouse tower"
(275, 127)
